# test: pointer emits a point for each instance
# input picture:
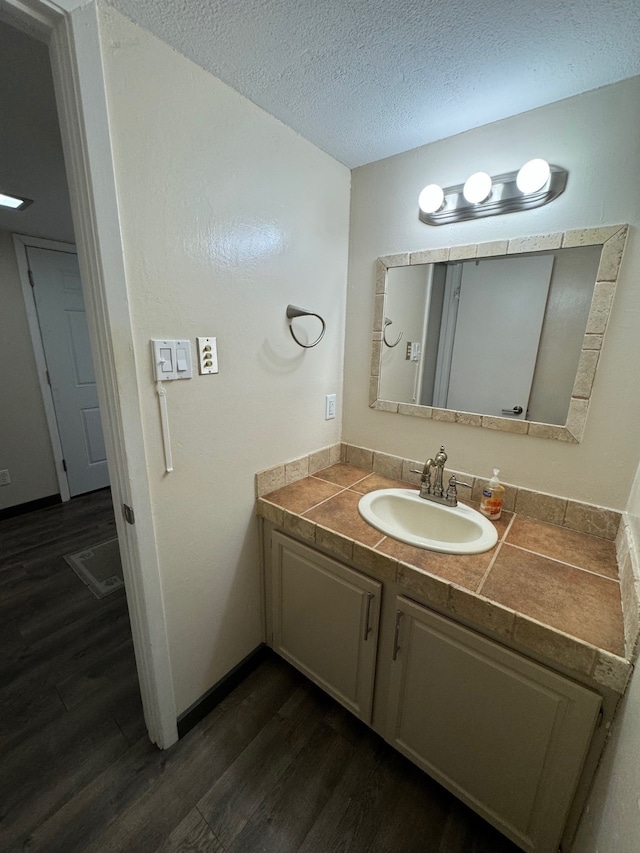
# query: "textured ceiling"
(364, 79)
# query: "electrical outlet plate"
(5, 479)
(330, 407)
(207, 355)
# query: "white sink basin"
(404, 515)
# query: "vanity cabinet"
(504, 734)
(324, 621)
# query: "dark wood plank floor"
(277, 767)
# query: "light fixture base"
(505, 198)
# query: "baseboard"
(208, 701)
(29, 506)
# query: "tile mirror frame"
(611, 238)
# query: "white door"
(500, 315)
(57, 289)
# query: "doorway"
(52, 290)
(73, 40)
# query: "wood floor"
(277, 767)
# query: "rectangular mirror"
(503, 335)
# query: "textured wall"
(227, 216)
(595, 137)
(611, 821)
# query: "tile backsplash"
(555, 509)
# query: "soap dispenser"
(492, 497)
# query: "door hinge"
(600, 718)
(129, 517)
(64, 465)
(31, 282)
(48, 378)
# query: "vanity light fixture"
(535, 184)
(477, 187)
(431, 198)
(14, 202)
(533, 176)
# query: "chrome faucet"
(435, 491)
(441, 458)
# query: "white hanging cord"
(164, 418)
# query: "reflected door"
(65, 337)
(499, 320)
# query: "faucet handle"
(453, 481)
(452, 491)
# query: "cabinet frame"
(564, 734)
(341, 656)
(391, 591)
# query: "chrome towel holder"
(292, 312)
(388, 322)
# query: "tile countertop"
(548, 589)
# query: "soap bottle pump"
(492, 497)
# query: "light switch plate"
(171, 359)
(207, 355)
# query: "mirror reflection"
(496, 336)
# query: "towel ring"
(293, 311)
(384, 334)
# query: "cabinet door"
(325, 622)
(504, 734)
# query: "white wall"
(611, 820)
(405, 307)
(25, 448)
(227, 216)
(595, 137)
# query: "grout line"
(495, 556)
(564, 563)
(355, 483)
(324, 501)
(333, 483)
(489, 567)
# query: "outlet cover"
(5, 479)
(207, 355)
(330, 407)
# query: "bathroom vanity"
(507, 712)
